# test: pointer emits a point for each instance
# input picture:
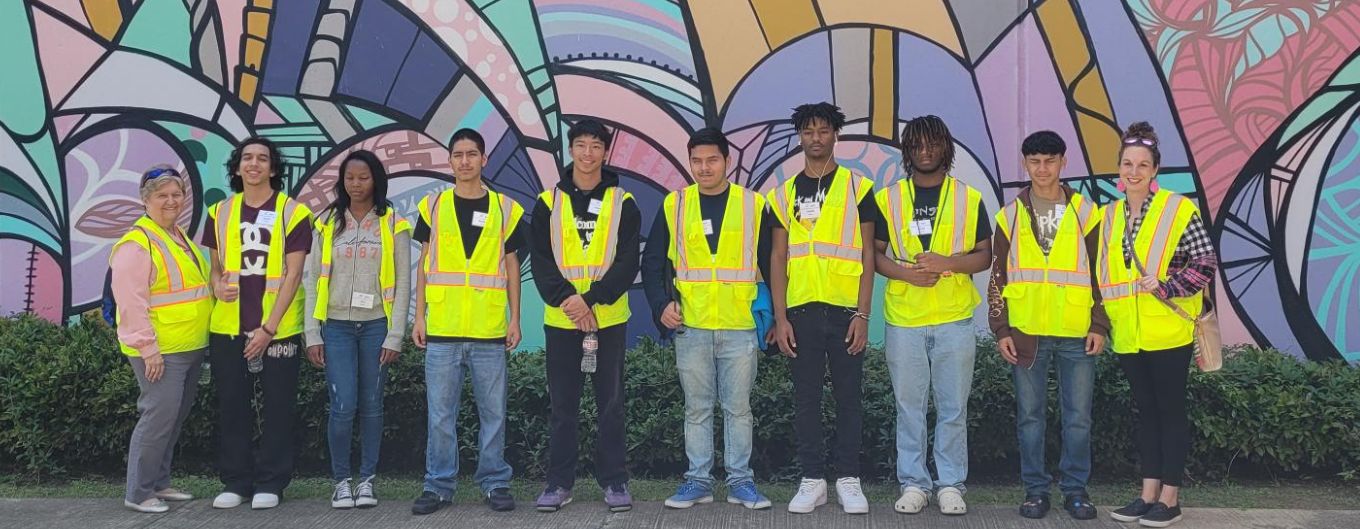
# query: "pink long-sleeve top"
(133, 274)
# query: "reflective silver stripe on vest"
(961, 216)
(1113, 292)
(1161, 238)
(824, 249)
(174, 276)
(895, 206)
(747, 273)
(1079, 276)
(611, 242)
(171, 298)
(585, 271)
(850, 219)
(433, 254)
(681, 252)
(749, 238)
(455, 279)
(726, 275)
(1106, 240)
(224, 210)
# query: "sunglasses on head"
(1144, 141)
(157, 173)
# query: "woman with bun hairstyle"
(1155, 257)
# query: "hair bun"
(1141, 130)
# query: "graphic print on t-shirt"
(255, 238)
(586, 229)
(811, 204)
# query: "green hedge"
(67, 406)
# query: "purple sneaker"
(617, 498)
(553, 498)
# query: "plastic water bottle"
(256, 364)
(590, 345)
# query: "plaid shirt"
(1193, 265)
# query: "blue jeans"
(1076, 384)
(355, 379)
(444, 365)
(717, 366)
(938, 358)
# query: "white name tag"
(265, 217)
(921, 227)
(479, 219)
(595, 206)
(1059, 209)
(809, 210)
(363, 301)
(708, 226)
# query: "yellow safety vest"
(466, 297)
(390, 224)
(824, 263)
(226, 215)
(1049, 295)
(716, 290)
(1138, 320)
(180, 301)
(953, 232)
(581, 265)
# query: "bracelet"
(860, 315)
(269, 332)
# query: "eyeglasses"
(1145, 141)
(157, 173)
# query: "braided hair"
(804, 115)
(925, 130)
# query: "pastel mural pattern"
(1256, 102)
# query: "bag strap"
(1133, 252)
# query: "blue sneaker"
(745, 494)
(689, 493)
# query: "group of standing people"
(725, 270)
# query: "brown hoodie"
(998, 316)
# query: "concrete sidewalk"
(61, 513)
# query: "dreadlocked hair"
(805, 114)
(922, 130)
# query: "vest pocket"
(1019, 305)
(176, 313)
(1076, 320)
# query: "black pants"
(1157, 381)
(565, 384)
(820, 332)
(269, 470)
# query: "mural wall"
(1256, 103)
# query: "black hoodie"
(555, 289)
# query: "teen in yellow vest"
(1046, 310)
(358, 289)
(160, 284)
(936, 236)
(1154, 250)
(467, 318)
(259, 239)
(584, 249)
(701, 271)
(821, 283)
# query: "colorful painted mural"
(1256, 102)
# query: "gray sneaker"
(617, 498)
(553, 498)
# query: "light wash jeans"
(1076, 385)
(922, 359)
(444, 366)
(717, 366)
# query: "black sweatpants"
(565, 384)
(1157, 381)
(820, 332)
(243, 470)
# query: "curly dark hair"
(927, 129)
(804, 115)
(275, 161)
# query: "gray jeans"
(163, 406)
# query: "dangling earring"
(1153, 187)
(1120, 186)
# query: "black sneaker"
(1080, 507)
(429, 502)
(1161, 516)
(1131, 512)
(1036, 506)
(500, 500)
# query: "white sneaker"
(153, 505)
(951, 501)
(811, 494)
(851, 497)
(342, 498)
(264, 500)
(912, 501)
(227, 500)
